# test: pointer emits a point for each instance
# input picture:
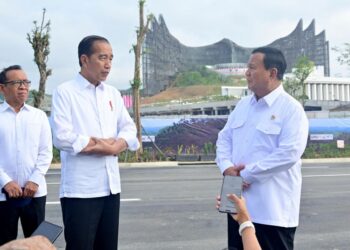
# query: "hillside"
(196, 92)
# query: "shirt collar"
(5, 106)
(84, 83)
(270, 98)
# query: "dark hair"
(3, 78)
(85, 45)
(273, 58)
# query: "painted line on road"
(52, 203)
(133, 199)
(326, 175)
(315, 167)
(122, 200)
(53, 183)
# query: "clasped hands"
(15, 191)
(108, 146)
(235, 170)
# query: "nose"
(108, 64)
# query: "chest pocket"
(237, 124)
(268, 136)
(269, 128)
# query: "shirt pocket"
(237, 124)
(267, 138)
(269, 128)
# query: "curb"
(160, 164)
(326, 160)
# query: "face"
(96, 67)
(15, 94)
(257, 76)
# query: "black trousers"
(269, 237)
(91, 223)
(30, 215)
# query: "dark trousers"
(269, 237)
(30, 215)
(91, 223)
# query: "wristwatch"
(244, 225)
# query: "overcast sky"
(193, 22)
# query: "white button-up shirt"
(268, 136)
(80, 111)
(25, 147)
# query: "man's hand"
(31, 243)
(30, 189)
(108, 146)
(234, 170)
(13, 189)
(89, 148)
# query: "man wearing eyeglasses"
(25, 156)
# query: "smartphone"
(49, 230)
(230, 185)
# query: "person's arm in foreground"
(32, 243)
(250, 242)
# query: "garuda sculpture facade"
(164, 55)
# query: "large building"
(164, 55)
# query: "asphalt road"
(174, 208)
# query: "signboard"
(340, 144)
(148, 138)
(321, 137)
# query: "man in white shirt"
(91, 127)
(25, 156)
(263, 141)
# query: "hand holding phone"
(49, 230)
(230, 185)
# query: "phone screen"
(49, 230)
(230, 185)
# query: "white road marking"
(325, 175)
(52, 202)
(122, 200)
(314, 167)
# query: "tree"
(136, 83)
(344, 57)
(296, 85)
(40, 41)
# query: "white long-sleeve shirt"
(268, 136)
(80, 111)
(25, 147)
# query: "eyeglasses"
(19, 83)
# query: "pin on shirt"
(111, 105)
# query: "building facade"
(164, 55)
(328, 89)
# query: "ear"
(2, 88)
(84, 59)
(273, 73)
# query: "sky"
(193, 22)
